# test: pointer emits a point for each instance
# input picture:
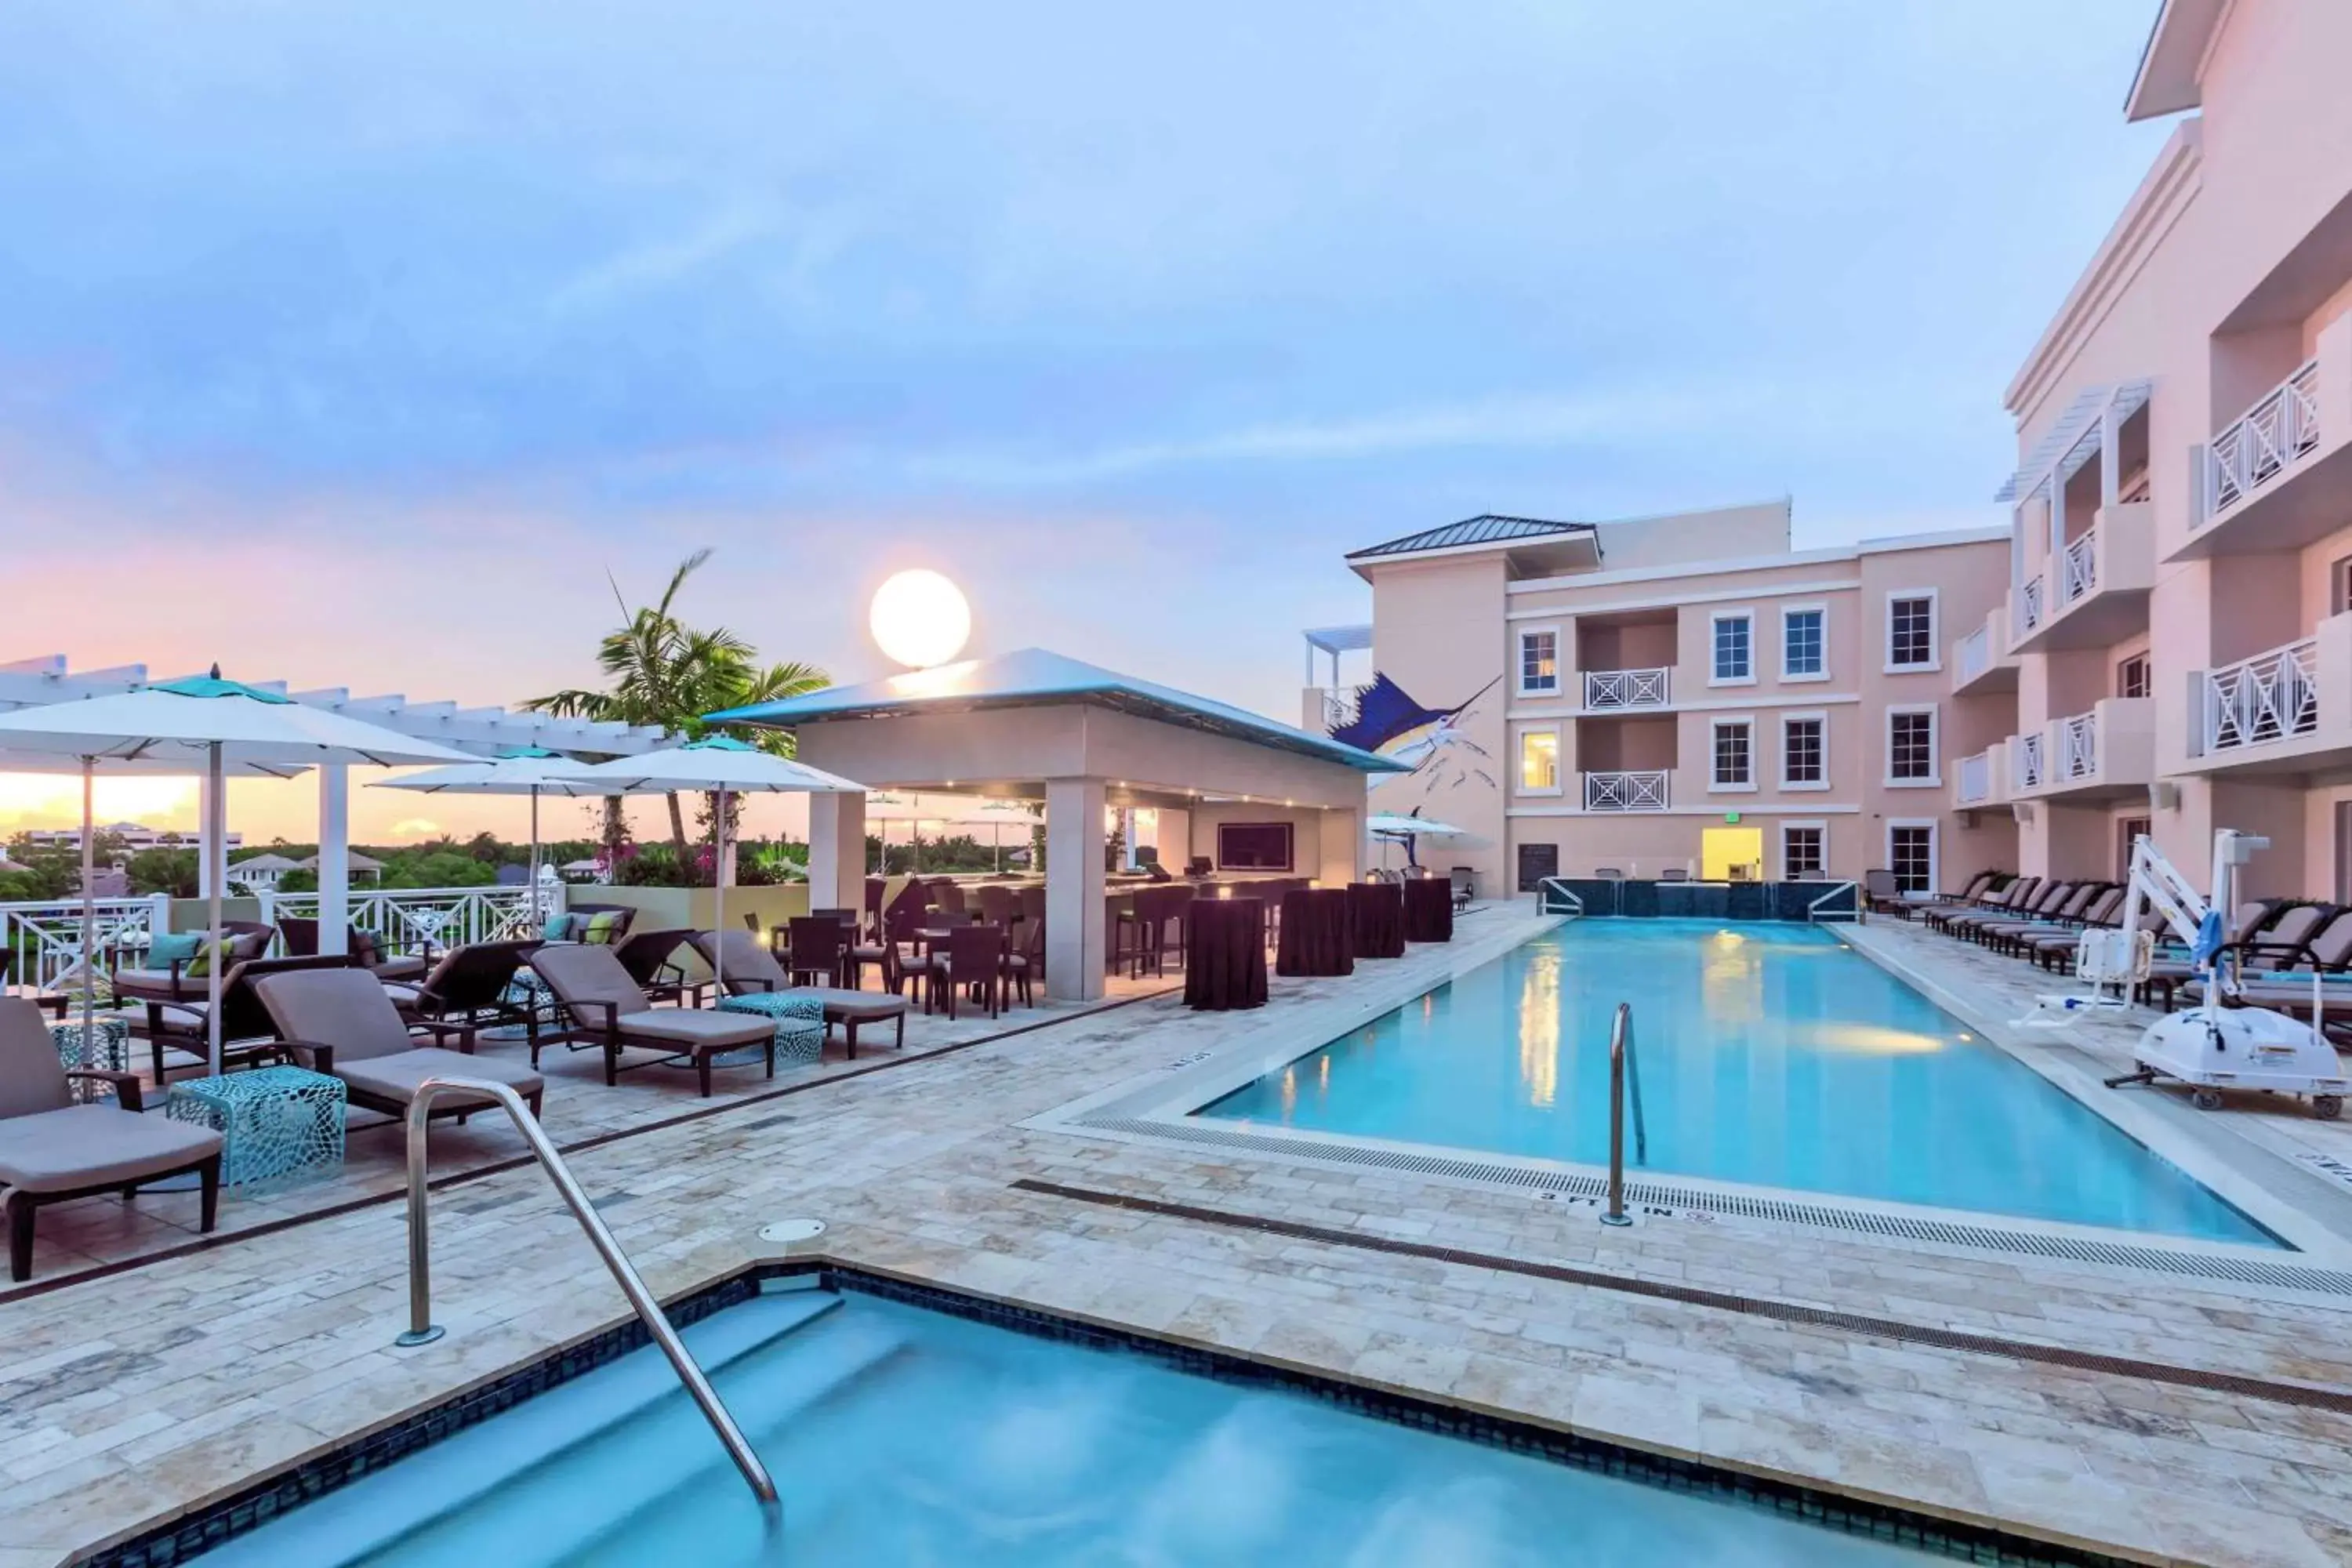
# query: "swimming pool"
(1769, 1054)
(901, 1435)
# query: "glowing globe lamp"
(920, 619)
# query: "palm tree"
(668, 675)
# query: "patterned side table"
(275, 1123)
(800, 1027)
(106, 1045)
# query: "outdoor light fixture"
(920, 619)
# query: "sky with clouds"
(357, 344)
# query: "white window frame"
(1934, 847)
(1559, 661)
(2146, 663)
(1519, 785)
(1935, 661)
(1820, 825)
(1934, 779)
(1820, 716)
(1717, 619)
(1821, 608)
(1716, 724)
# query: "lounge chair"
(2166, 977)
(342, 1022)
(646, 956)
(249, 1038)
(2042, 905)
(52, 1149)
(751, 970)
(608, 1009)
(2091, 903)
(471, 985)
(1882, 894)
(2010, 896)
(300, 939)
(174, 982)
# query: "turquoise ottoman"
(275, 1123)
(800, 1027)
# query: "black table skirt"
(1318, 935)
(1225, 960)
(1428, 909)
(1375, 911)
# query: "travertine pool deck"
(128, 1400)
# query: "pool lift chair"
(2223, 1043)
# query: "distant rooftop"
(1488, 527)
(1034, 677)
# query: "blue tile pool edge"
(182, 1540)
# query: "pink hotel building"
(2160, 641)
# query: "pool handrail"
(1624, 1068)
(423, 1331)
(1850, 910)
(1555, 897)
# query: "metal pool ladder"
(423, 1331)
(1624, 1071)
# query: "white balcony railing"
(2079, 570)
(2028, 604)
(2270, 696)
(1625, 792)
(2281, 426)
(1608, 690)
(2078, 746)
(2025, 762)
(1975, 785)
(47, 935)
(1975, 654)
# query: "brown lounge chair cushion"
(396, 1076)
(96, 1146)
(697, 1031)
(861, 1005)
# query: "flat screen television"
(1254, 847)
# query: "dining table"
(1224, 961)
(1318, 935)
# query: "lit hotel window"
(1539, 760)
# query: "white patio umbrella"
(1390, 828)
(211, 725)
(528, 770)
(726, 766)
(87, 765)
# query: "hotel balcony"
(1982, 661)
(2286, 710)
(2280, 475)
(1613, 791)
(2107, 754)
(1626, 691)
(1982, 779)
(2095, 592)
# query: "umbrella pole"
(89, 903)
(216, 850)
(538, 920)
(719, 893)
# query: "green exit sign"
(1731, 816)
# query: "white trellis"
(1607, 689)
(2270, 696)
(1638, 791)
(2263, 442)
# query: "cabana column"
(334, 857)
(836, 851)
(1075, 935)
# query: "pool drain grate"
(1784, 1211)
(2303, 1395)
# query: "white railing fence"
(1975, 654)
(1975, 786)
(2267, 698)
(46, 936)
(2078, 755)
(2281, 426)
(1612, 688)
(1625, 792)
(2025, 759)
(2028, 604)
(2081, 568)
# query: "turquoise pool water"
(1768, 1054)
(898, 1435)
